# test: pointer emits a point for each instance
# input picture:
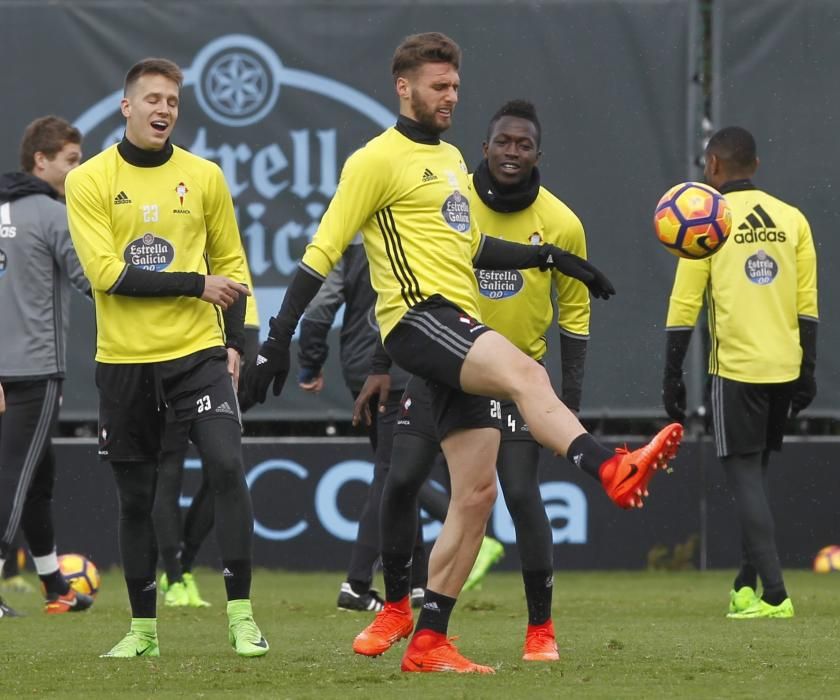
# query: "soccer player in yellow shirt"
(761, 295)
(155, 231)
(409, 194)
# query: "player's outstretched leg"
(141, 640)
(625, 477)
(72, 601)
(243, 633)
(391, 624)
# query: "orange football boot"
(626, 475)
(431, 652)
(391, 624)
(72, 601)
(540, 643)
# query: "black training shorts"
(136, 399)
(748, 418)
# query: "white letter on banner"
(279, 465)
(326, 497)
(571, 508)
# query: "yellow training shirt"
(757, 286)
(411, 201)
(174, 217)
(517, 303)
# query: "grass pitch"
(621, 635)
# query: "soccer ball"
(80, 572)
(692, 220)
(827, 559)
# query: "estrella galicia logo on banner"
(499, 284)
(456, 212)
(280, 135)
(761, 268)
(149, 253)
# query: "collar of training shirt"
(737, 186)
(144, 159)
(416, 131)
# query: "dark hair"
(418, 49)
(517, 108)
(153, 66)
(735, 146)
(47, 135)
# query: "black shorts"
(432, 411)
(514, 427)
(748, 418)
(135, 401)
(432, 340)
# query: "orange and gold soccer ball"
(827, 559)
(80, 572)
(692, 220)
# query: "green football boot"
(745, 597)
(491, 551)
(141, 640)
(176, 595)
(163, 584)
(193, 596)
(761, 609)
(243, 633)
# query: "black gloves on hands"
(673, 397)
(804, 391)
(271, 364)
(572, 265)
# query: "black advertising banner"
(307, 495)
(279, 94)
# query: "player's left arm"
(805, 387)
(64, 254)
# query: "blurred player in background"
(11, 579)
(508, 203)
(38, 266)
(180, 539)
(761, 293)
(155, 230)
(408, 192)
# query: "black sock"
(359, 587)
(54, 583)
(539, 586)
(142, 595)
(434, 615)
(172, 564)
(774, 596)
(237, 573)
(747, 576)
(396, 568)
(588, 454)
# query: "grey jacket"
(348, 285)
(38, 265)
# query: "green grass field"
(621, 634)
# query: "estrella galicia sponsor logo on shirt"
(761, 268)
(499, 284)
(4, 261)
(150, 253)
(456, 212)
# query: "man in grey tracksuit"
(348, 285)
(38, 266)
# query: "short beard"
(425, 118)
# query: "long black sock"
(142, 594)
(54, 583)
(237, 574)
(435, 613)
(172, 564)
(588, 454)
(396, 569)
(539, 586)
(747, 576)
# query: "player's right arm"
(364, 188)
(683, 308)
(90, 230)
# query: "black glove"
(804, 391)
(673, 397)
(572, 265)
(272, 363)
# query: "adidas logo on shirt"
(224, 407)
(428, 175)
(758, 227)
(122, 198)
